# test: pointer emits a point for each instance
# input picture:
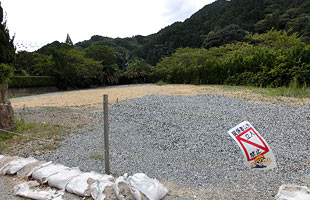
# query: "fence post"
(106, 134)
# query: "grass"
(275, 92)
(161, 83)
(45, 136)
(16, 96)
(21, 95)
(97, 156)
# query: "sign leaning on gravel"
(255, 149)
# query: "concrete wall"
(31, 91)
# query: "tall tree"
(68, 40)
(7, 50)
(7, 55)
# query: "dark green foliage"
(239, 42)
(274, 60)
(47, 49)
(139, 71)
(7, 50)
(68, 40)
(33, 64)
(101, 53)
(6, 72)
(229, 34)
(73, 69)
(107, 58)
(32, 81)
(224, 22)
(125, 49)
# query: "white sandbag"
(102, 190)
(43, 173)
(27, 170)
(123, 189)
(6, 159)
(61, 179)
(81, 184)
(293, 192)
(1, 156)
(28, 190)
(16, 165)
(151, 188)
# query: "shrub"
(6, 72)
(32, 81)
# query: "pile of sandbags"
(85, 184)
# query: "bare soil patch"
(93, 97)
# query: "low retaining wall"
(30, 91)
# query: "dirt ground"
(93, 97)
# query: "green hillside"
(216, 24)
(243, 42)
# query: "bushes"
(32, 81)
(6, 72)
(274, 60)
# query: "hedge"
(32, 81)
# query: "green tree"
(73, 70)
(139, 71)
(230, 34)
(105, 55)
(6, 72)
(7, 50)
(68, 40)
(33, 64)
(101, 53)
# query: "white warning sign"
(255, 149)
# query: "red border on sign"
(239, 139)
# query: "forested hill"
(216, 24)
(238, 42)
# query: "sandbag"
(27, 170)
(6, 159)
(151, 188)
(1, 156)
(123, 189)
(28, 190)
(15, 165)
(81, 185)
(103, 190)
(43, 173)
(293, 192)
(61, 179)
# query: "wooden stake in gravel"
(106, 133)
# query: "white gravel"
(184, 140)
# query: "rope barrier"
(26, 136)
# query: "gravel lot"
(183, 142)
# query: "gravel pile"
(184, 140)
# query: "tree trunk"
(6, 109)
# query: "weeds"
(45, 135)
(161, 83)
(291, 91)
(97, 156)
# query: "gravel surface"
(183, 142)
(7, 184)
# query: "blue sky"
(38, 22)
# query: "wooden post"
(106, 134)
